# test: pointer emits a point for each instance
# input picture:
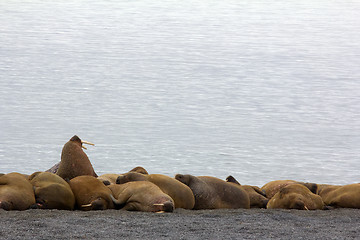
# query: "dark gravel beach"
(182, 224)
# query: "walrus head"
(97, 204)
(76, 139)
(185, 179)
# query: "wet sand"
(181, 224)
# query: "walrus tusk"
(86, 205)
(306, 208)
(86, 142)
(158, 204)
(160, 212)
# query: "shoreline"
(253, 223)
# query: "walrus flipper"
(232, 179)
(119, 203)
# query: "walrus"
(257, 197)
(347, 196)
(181, 194)
(74, 161)
(271, 188)
(296, 196)
(16, 192)
(139, 170)
(214, 193)
(91, 194)
(52, 192)
(108, 178)
(141, 196)
(324, 189)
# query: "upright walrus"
(74, 161)
(16, 192)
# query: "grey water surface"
(261, 90)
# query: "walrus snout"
(300, 205)
(164, 207)
(98, 204)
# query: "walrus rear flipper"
(54, 168)
(259, 191)
(117, 202)
(232, 179)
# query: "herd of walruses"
(73, 184)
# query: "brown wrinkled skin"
(89, 190)
(141, 196)
(16, 192)
(296, 196)
(52, 192)
(139, 170)
(179, 192)
(74, 161)
(271, 188)
(108, 178)
(347, 196)
(214, 193)
(257, 198)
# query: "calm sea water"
(261, 90)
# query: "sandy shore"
(182, 224)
